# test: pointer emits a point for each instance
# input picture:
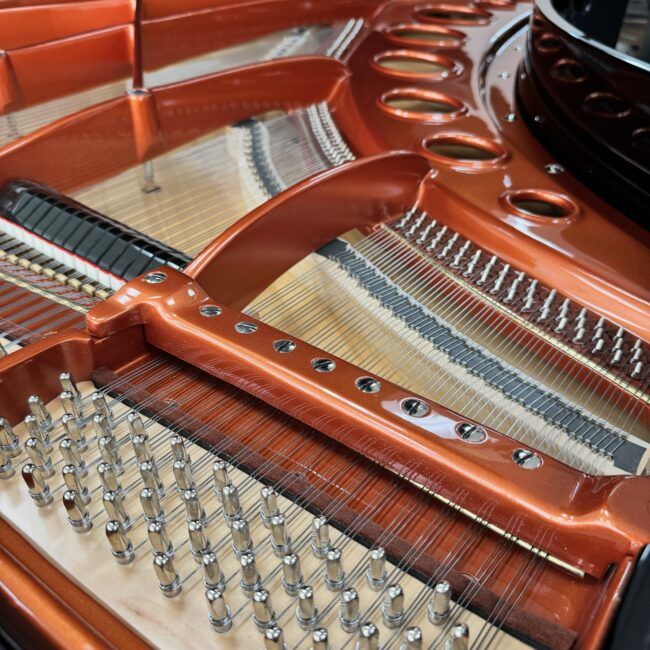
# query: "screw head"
(510, 117)
(471, 432)
(368, 385)
(526, 458)
(155, 278)
(323, 365)
(554, 168)
(503, 75)
(209, 311)
(284, 346)
(246, 327)
(415, 407)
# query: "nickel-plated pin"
(78, 514)
(121, 545)
(393, 607)
(412, 638)
(193, 508)
(150, 477)
(250, 577)
(102, 426)
(141, 448)
(68, 384)
(108, 478)
(334, 574)
(320, 542)
(74, 431)
(376, 574)
(168, 579)
(458, 637)
(151, 506)
(368, 638)
(231, 507)
(35, 430)
(39, 411)
(472, 263)
(220, 476)
(439, 603)
(183, 474)
(199, 542)
(9, 442)
(291, 574)
(268, 505)
(72, 456)
(110, 454)
(101, 406)
(70, 406)
(349, 610)
(320, 639)
(280, 539)
(263, 612)
(39, 457)
(159, 539)
(179, 452)
(38, 489)
(274, 639)
(73, 481)
(115, 508)
(6, 468)
(136, 425)
(218, 611)
(213, 577)
(306, 610)
(241, 536)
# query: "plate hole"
(540, 208)
(569, 71)
(541, 203)
(422, 105)
(428, 35)
(548, 43)
(404, 62)
(450, 13)
(464, 149)
(606, 105)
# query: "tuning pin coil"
(241, 537)
(349, 610)
(78, 514)
(291, 574)
(38, 489)
(263, 612)
(393, 607)
(250, 577)
(306, 610)
(168, 579)
(218, 611)
(121, 545)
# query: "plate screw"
(284, 346)
(209, 310)
(368, 385)
(155, 278)
(526, 459)
(323, 365)
(246, 327)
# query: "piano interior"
(324, 324)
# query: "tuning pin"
(368, 638)
(150, 502)
(108, 450)
(73, 482)
(193, 507)
(213, 577)
(108, 478)
(141, 447)
(9, 442)
(263, 612)
(469, 269)
(71, 456)
(69, 385)
(102, 426)
(150, 477)
(74, 431)
(6, 468)
(199, 543)
(250, 577)
(35, 430)
(291, 574)
(121, 545)
(349, 612)
(101, 406)
(637, 370)
(39, 490)
(78, 514)
(39, 411)
(320, 543)
(159, 539)
(168, 579)
(135, 425)
(393, 607)
(274, 639)
(268, 505)
(438, 610)
(280, 540)
(529, 296)
(231, 506)
(306, 611)
(412, 638)
(218, 611)
(334, 574)
(220, 475)
(241, 537)
(458, 637)
(39, 457)
(183, 475)
(500, 279)
(114, 506)
(376, 574)
(70, 406)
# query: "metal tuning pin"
(70, 406)
(151, 506)
(263, 612)
(38, 489)
(6, 468)
(115, 509)
(101, 406)
(178, 448)
(74, 482)
(320, 639)
(193, 508)
(39, 456)
(9, 442)
(376, 574)
(74, 431)
(121, 545)
(35, 430)
(108, 478)
(68, 384)
(220, 475)
(159, 539)
(183, 475)
(218, 611)
(320, 543)
(334, 574)
(109, 452)
(139, 439)
(368, 638)
(72, 456)
(412, 638)
(168, 579)
(241, 536)
(393, 608)
(274, 639)
(250, 577)
(199, 542)
(438, 609)
(213, 577)
(458, 637)
(150, 477)
(349, 611)
(39, 411)
(78, 514)
(280, 539)
(268, 505)
(291, 574)
(306, 610)
(231, 507)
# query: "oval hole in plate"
(540, 204)
(421, 105)
(606, 105)
(569, 71)
(455, 148)
(411, 64)
(450, 13)
(427, 35)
